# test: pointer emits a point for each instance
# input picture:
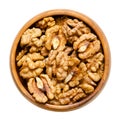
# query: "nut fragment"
(45, 22)
(50, 33)
(49, 82)
(79, 96)
(94, 76)
(37, 94)
(26, 73)
(61, 87)
(84, 37)
(92, 49)
(21, 54)
(64, 101)
(87, 88)
(50, 95)
(88, 80)
(29, 34)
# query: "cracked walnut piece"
(60, 59)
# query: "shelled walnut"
(60, 59)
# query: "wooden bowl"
(97, 31)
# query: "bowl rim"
(93, 25)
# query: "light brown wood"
(98, 32)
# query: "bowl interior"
(22, 84)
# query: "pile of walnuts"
(60, 59)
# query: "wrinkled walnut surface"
(60, 59)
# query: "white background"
(14, 14)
